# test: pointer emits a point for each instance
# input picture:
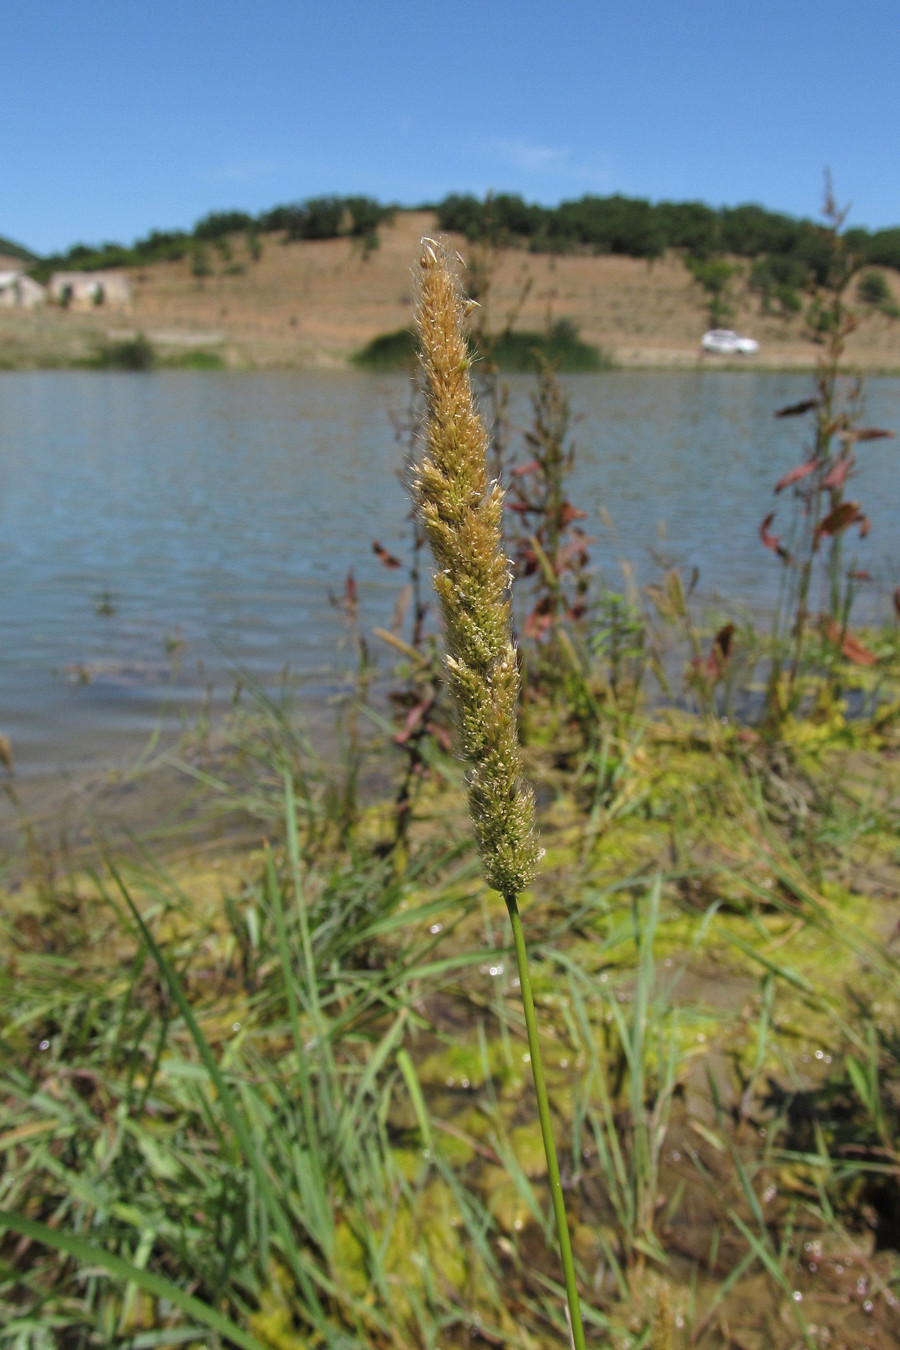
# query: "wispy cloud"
(557, 161)
(533, 158)
(249, 171)
(594, 175)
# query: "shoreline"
(327, 364)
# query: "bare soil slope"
(313, 304)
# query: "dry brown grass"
(312, 304)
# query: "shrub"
(162, 245)
(133, 354)
(813, 247)
(285, 218)
(613, 225)
(872, 289)
(200, 264)
(561, 348)
(366, 214)
(689, 225)
(388, 351)
(515, 216)
(789, 301)
(883, 248)
(510, 352)
(321, 218)
(751, 230)
(819, 320)
(778, 278)
(219, 223)
(461, 213)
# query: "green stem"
(540, 1089)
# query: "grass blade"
(157, 1285)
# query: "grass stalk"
(543, 1104)
(461, 516)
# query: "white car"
(724, 342)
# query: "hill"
(272, 301)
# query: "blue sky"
(121, 116)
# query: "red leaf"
(531, 467)
(541, 617)
(571, 555)
(521, 507)
(896, 599)
(350, 592)
(715, 664)
(794, 475)
(527, 560)
(856, 652)
(536, 625)
(860, 576)
(568, 513)
(383, 556)
(843, 515)
(868, 434)
(837, 477)
(442, 736)
(414, 720)
(850, 646)
(797, 409)
(747, 736)
(770, 540)
(865, 526)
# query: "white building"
(19, 291)
(84, 289)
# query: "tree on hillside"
(219, 223)
(714, 275)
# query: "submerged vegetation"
(270, 1092)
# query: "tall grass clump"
(461, 514)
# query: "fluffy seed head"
(461, 514)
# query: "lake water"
(160, 532)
